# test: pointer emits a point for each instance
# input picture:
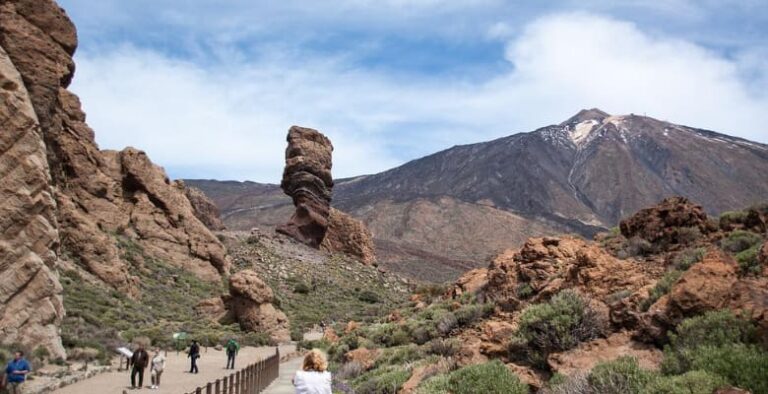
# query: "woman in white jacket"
(157, 367)
(313, 378)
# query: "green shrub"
(637, 246)
(524, 290)
(301, 288)
(435, 385)
(561, 324)
(621, 376)
(693, 382)
(688, 257)
(739, 241)
(687, 235)
(369, 297)
(40, 354)
(729, 218)
(386, 380)
(718, 328)
(399, 355)
(663, 286)
(468, 314)
(744, 366)
(490, 378)
(297, 335)
(748, 261)
(443, 347)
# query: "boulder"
(307, 180)
(250, 302)
(348, 235)
(668, 223)
(545, 266)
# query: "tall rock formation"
(307, 180)
(66, 204)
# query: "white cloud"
(228, 120)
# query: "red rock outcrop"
(545, 266)
(664, 223)
(30, 294)
(710, 285)
(250, 301)
(348, 235)
(307, 180)
(202, 206)
(65, 200)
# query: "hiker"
(156, 370)
(313, 378)
(232, 348)
(193, 355)
(139, 361)
(16, 372)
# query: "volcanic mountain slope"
(451, 210)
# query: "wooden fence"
(252, 379)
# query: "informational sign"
(125, 352)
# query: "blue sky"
(209, 88)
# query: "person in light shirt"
(313, 378)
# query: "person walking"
(16, 372)
(156, 370)
(232, 349)
(139, 361)
(313, 378)
(193, 355)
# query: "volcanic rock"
(30, 294)
(667, 222)
(203, 208)
(545, 266)
(250, 302)
(348, 235)
(307, 180)
(712, 284)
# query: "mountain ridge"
(579, 176)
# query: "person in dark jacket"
(139, 361)
(193, 354)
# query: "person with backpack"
(139, 361)
(16, 372)
(232, 348)
(193, 355)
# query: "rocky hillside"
(109, 222)
(674, 302)
(456, 208)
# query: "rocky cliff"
(68, 206)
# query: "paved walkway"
(175, 379)
(284, 383)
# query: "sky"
(209, 88)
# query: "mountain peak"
(584, 115)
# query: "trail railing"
(252, 379)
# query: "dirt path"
(175, 379)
